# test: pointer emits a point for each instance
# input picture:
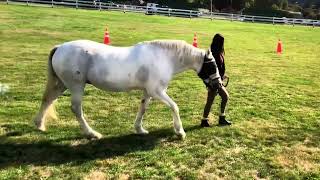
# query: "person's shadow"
(52, 152)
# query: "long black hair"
(217, 45)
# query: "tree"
(308, 4)
(267, 4)
(285, 4)
(317, 4)
(221, 4)
(249, 3)
(241, 4)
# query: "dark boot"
(223, 121)
(205, 122)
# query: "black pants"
(212, 92)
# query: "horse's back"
(72, 60)
(88, 47)
(106, 67)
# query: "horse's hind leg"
(162, 95)
(76, 107)
(54, 88)
(138, 123)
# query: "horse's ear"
(209, 54)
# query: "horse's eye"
(207, 59)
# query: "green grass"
(274, 103)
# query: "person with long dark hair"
(217, 50)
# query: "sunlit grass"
(274, 103)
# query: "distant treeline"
(277, 8)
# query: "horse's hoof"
(94, 135)
(39, 126)
(42, 128)
(144, 132)
(141, 131)
(181, 135)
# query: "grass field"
(274, 103)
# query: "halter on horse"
(148, 66)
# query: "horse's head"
(208, 56)
(209, 69)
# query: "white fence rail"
(166, 11)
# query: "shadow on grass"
(51, 152)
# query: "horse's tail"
(52, 80)
(51, 73)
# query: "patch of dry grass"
(301, 157)
(273, 103)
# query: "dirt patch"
(41, 172)
(124, 177)
(96, 175)
(262, 130)
(54, 34)
(301, 157)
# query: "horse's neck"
(193, 62)
(180, 55)
(197, 63)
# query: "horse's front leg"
(138, 123)
(177, 124)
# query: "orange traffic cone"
(195, 40)
(279, 47)
(106, 37)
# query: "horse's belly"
(117, 78)
(117, 85)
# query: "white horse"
(148, 66)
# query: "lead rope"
(225, 85)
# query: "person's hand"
(226, 80)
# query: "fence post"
(253, 19)
(124, 8)
(211, 16)
(231, 17)
(273, 20)
(169, 11)
(99, 5)
(293, 22)
(52, 3)
(313, 24)
(27, 2)
(7, 1)
(190, 13)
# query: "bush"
(268, 12)
(295, 8)
(274, 7)
(309, 13)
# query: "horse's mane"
(182, 48)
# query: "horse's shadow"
(53, 152)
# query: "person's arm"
(223, 69)
(220, 65)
